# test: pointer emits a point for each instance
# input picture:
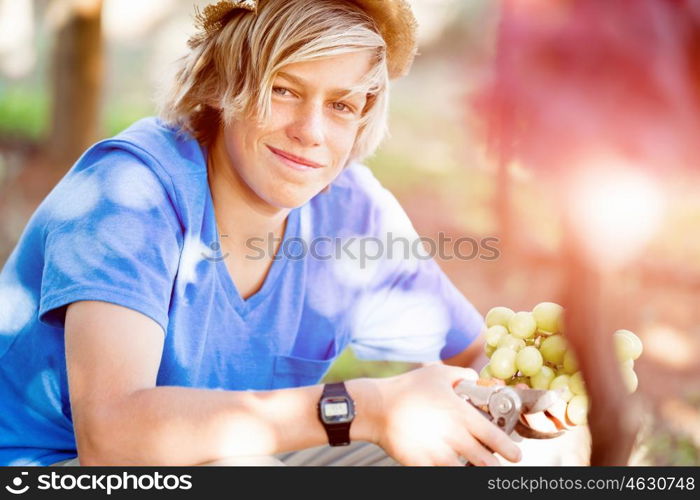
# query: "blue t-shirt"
(132, 223)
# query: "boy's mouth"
(295, 159)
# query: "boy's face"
(309, 120)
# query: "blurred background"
(75, 71)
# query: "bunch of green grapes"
(530, 348)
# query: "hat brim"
(398, 27)
(394, 20)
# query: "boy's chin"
(295, 199)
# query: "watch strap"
(335, 389)
(338, 433)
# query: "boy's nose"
(308, 127)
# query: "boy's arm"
(121, 417)
(471, 357)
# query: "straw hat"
(393, 18)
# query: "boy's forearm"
(186, 426)
(472, 357)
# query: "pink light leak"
(587, 78)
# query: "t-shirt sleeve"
(112, 235)
(417, 316)
(410, 311)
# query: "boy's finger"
(540, 422)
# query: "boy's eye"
(339, 106)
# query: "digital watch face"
(336, 409)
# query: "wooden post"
(77, 81)
(613, 418)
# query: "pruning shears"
(506, 405)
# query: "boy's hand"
(552, 420)
(549, 421)
(425, 422)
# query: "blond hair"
(231, 68)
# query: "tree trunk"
(613, 418)
(77, 80)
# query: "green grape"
(498, 316)
(485, 372)
(576, 383)
(522, 325)
(502, 364)
(511, 342)
(637, 347)
(542, 379)
(627, 365)
(562, 383)
(529, 361)
(553, 349)
(577, 409)
(549, 317)
(489, 350)
(570, 362)
(629, 377)
(624, 347)
(494, 333)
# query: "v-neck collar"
(245, 306)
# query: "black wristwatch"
(336, 411)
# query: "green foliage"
(23, 113)
(348, 366)
(397, 170)
(668, 448)
(119, 117)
